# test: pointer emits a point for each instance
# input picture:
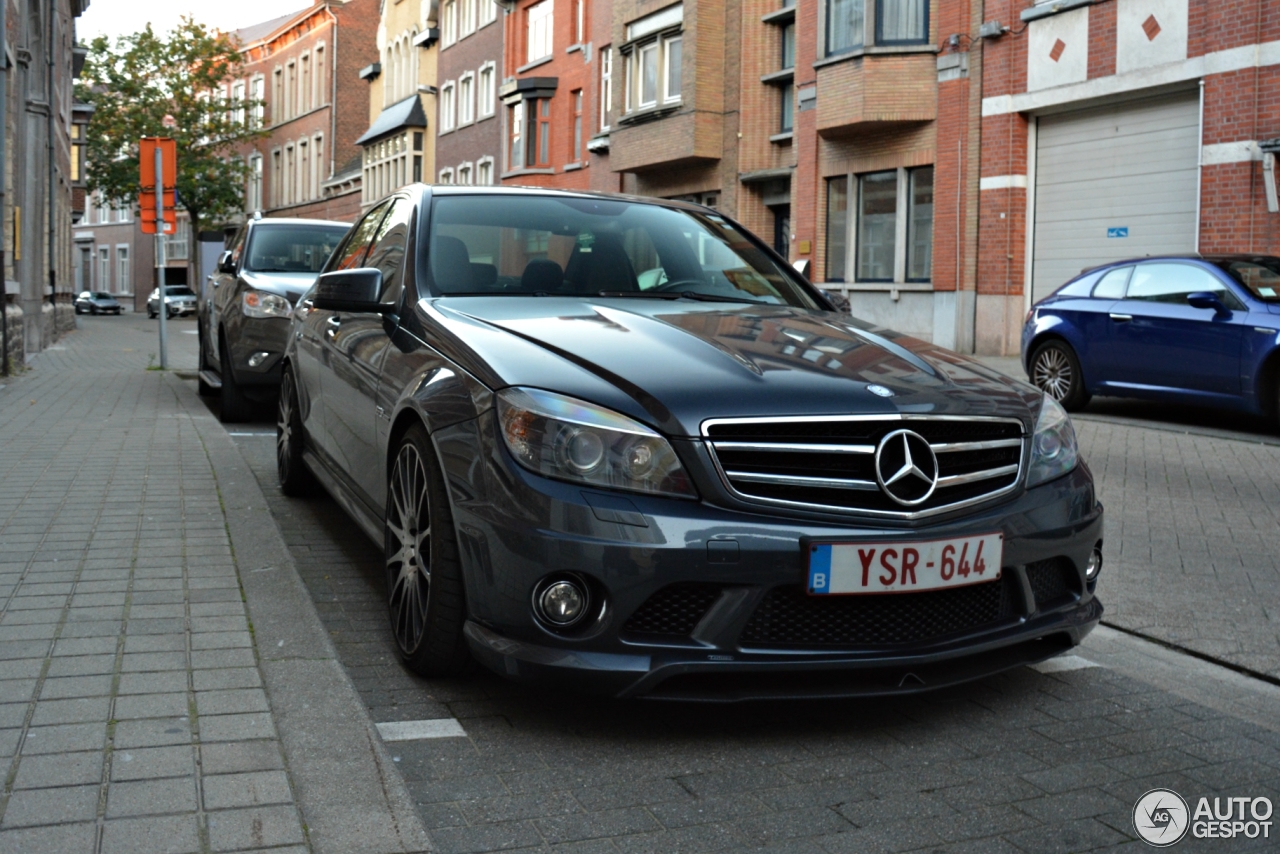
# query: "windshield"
(533, 246)
(178, 291)
(1260, 275)
(101, 295)
(292, 248)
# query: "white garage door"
(1113, 182)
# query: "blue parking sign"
(1118, 231)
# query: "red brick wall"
(469, 143)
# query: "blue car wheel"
(1055, 370)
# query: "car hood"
(290, 285)
(674, 364)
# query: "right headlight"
(264, 304)
(570, 439)
(1053, 447)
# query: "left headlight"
(570, 439)
(1053, 447)
(263, 304)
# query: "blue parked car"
(1198, 330)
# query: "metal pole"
(161, 259)
(4, 135)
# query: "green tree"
(171, 85)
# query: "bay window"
(897, 22)
(654, 55)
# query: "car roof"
(288, 220)
(509, 191)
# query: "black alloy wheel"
(424, 576)
(235, 407)
(295, 478)
(1055, 370)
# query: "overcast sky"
(121, 17)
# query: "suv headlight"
(263, 304)
(569, 439)
(1053, 447)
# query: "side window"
(350, 254)
(237, 245)
(1171, 282)
(388, 249)
(1111, 286)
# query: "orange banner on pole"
(168, 180)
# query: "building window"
(576, 102)
(789, 45)
(253, 197)
(484, 169)
(123, 277)
(466, 99)
(579, 21)
(654, 59)
(488, 11)
(517, 135)
(787, 98)
(277, 96)
(104, 269)
(257, 94)
(837, 227)
(304, 84)
(606, 87)
(920, 225)
(898, 22)
(877, 226)
(446, 176)
(464, 173)
(290, 90)
(321, 97)
(238, 113)
(467, 18)
(446, 107)
(276, 179)
(544, 131)
(77, 141)
(449, 23)
(485, 86)
(538, 26)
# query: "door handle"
(1122, 318)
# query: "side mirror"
(226, 263)
(839, 300)
(351, 290)
(1207, 299)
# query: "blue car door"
(1092, 317)
(1163, 344)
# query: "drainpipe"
(4, 136)
(49, 123)
(1199, 163)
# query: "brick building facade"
(305, 66)
(468, 130)
(555, 95)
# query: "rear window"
(292, 248)
(179, 291)
(1260, 275)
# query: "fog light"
(257, 359)
(562, 603)
(1094, 566)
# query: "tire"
(1055, 370)
(93, 309)
(203, 387)
(151, 313)
(236, 408)
(427, 604)
(295, 478)
(79, 310)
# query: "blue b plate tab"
(820, 568)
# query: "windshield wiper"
(634, 294)
(272, 270)
(701, 297)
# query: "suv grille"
(788, 617)
(829, 463)
(674, 610)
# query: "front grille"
(1052, 581)
(829, 463)
(673, 611)
(788, 617)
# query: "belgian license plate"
(903, 567)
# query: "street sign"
(1118, 231)
(147, 198)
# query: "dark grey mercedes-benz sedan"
(618, 443)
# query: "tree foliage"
(171, 85)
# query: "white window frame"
(448, 23)
(606, 86)
(124, 272)
(104, 269)
(257, 92)
(446, 175)
(466, 98)
(253, 193)
(305, 84)
(320, 98)
(469, 169)
(539, 31)
(485, 95)
(488, 12)
(466, 18)
(484, 170)
(656, 33)
(238, 113)
(667, 76)
(447, 114)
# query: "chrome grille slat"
(827, 464)
(797, 480)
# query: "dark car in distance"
(245, 306)
(97, 302)
(707, 484)
(1201, 330)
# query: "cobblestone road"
(1029, 761)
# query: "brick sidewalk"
(135, 715)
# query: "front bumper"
(515, 528)
(249, 335)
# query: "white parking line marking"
(249, 434)
(191, 332)
(1063, 663)
(414, 730)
